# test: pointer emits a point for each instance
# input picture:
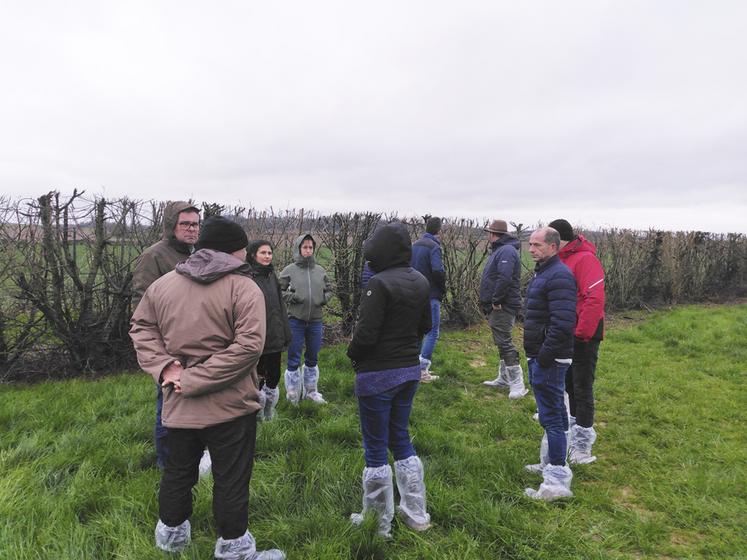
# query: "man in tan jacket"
(199, 331)
(181, 227)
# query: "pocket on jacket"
(167, 402)
(316, 297)
(533, 337)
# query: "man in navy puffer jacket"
(549, 323)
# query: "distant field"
(79, 482)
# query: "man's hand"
(172, 375)
(496, 307)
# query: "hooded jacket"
(161, 257)
(580, 255)
(278, 331)
(305, 286)
(550, 313)
(501, 277)
(210, 316)
(395, 308)
(427, 260)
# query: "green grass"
(78, 478)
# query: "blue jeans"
(548, 385)
(429, 341)
(160, 431)
(308, 333)
(384, 423)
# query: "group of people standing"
(212, 319)
(563, 328)
(210, 324)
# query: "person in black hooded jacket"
(394, 315)
(259, 257)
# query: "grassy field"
(78, 478)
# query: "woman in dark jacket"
(259, 257)
(395, 313)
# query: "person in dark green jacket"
(306, 289)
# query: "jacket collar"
(261, 269)
(541, 267)
(578, 245)
(505, 239)
(180, 246)
(431, 237)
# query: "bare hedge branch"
(66, 271)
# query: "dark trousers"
(268, 369)
(579, 381)
(231, 447)
(160, 432)
(501, 322)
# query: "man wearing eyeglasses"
(181, 228)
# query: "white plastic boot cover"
(262, 397)
(425, 365)
(173, 539)
(378, 496)
(244, 548)
(411, 486)
(310, 380)
(271, 397)
(516, 382)
(206, 463)
(544, 457)
(567, 403)
(556, 484)
(293, 385)
(581, 441)
(425, 371)
(502, 379)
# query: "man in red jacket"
(579, 255)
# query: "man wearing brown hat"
(199, 331)
(500, 301)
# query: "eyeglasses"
(189, 225)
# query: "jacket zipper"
(308, 272)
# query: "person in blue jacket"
(428, 261)
(549, 324)
(500, 301)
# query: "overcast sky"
(624, 113)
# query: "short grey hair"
(552, 237)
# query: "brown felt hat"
(497, 226)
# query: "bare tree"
(65, 271)
(344, 234)
(79, 277)
(464, 250)
(21, 324)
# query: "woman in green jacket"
(306, 289)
